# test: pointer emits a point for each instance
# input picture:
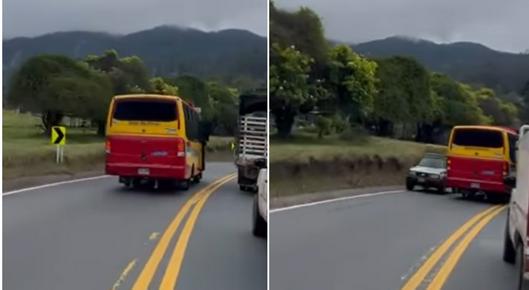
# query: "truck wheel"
(509, 252)
(259, 224)
(198, 177)
(523, 284)
(243, 187)
(409, 185)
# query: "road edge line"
(55, 184)
(334, 200)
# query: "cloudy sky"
(35, 17)
(502, 25)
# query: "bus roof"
(132, 96)
(482, 127)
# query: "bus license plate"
(143, 171)
(474, 185)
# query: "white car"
(260, 209)
(516, 241)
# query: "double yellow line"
(194, 204)
(465, 234)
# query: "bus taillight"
(180, 148)
(107, 147)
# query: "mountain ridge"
(166, 50)
(465, 61)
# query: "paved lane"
(84, 235)
(373, 242)
(482, 266)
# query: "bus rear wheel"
(184, 184)
(198, 177)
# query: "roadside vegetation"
(345, 120)
(26, 152)
(50, 90)
(394, 97)
(306, 163)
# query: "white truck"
(260, 209)
(252, 140)
(516, 240)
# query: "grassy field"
(304, 146)
(305, 164)
(27, 152)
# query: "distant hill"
(166, 50)
(465, 61)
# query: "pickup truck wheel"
(509, 252)
(259, 224)
(409, 185)
(523, 284)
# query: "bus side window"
(188, 127)
(195, 125)
(512, 147)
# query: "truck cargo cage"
(253, 133)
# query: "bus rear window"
(145, 110)
(478, 138)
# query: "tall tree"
(159, 86)
(301, 29)
(195, 91)
(128, 74)
(225, 102)
(55, 86)
(352, 80)
(289, 88)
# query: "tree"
(159, 86)
(55, 86)
(301, 29)
(289, 88)
(458, 105)
(498, 111)
(324, 126)
(195, 91)
(128, 74)
(225, 102)
(524, 92)
(351, 79)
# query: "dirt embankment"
(294, 177)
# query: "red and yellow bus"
(154, 138)
(479, 157)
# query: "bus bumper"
(147, 171)
(477, 185)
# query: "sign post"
(58, 137)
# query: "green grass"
(27, 152)
(304, 146)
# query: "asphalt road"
(379, 242)
(98, 235)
